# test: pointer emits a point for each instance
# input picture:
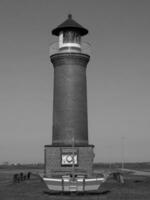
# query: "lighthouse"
(70, 153)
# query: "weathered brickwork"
(70, 118)
(53, 167)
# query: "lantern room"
(70, 33)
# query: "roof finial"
(70, 16)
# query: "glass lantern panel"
(71, 37)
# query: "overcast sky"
(118, 76)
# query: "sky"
(118, 77)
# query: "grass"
(135, 188)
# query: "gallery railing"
(55, 49)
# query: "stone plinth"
(53, 161)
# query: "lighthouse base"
(80, 184)
(61, 161)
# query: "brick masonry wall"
(70, 99)
(53, 167)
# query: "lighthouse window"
(71, 37)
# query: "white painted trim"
(70, 44)
(60, 40)
(52, 179)
(94, 179)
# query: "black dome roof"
(70, 24)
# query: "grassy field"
(135, 188)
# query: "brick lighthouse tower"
(70, 150)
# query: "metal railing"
(54, 49)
